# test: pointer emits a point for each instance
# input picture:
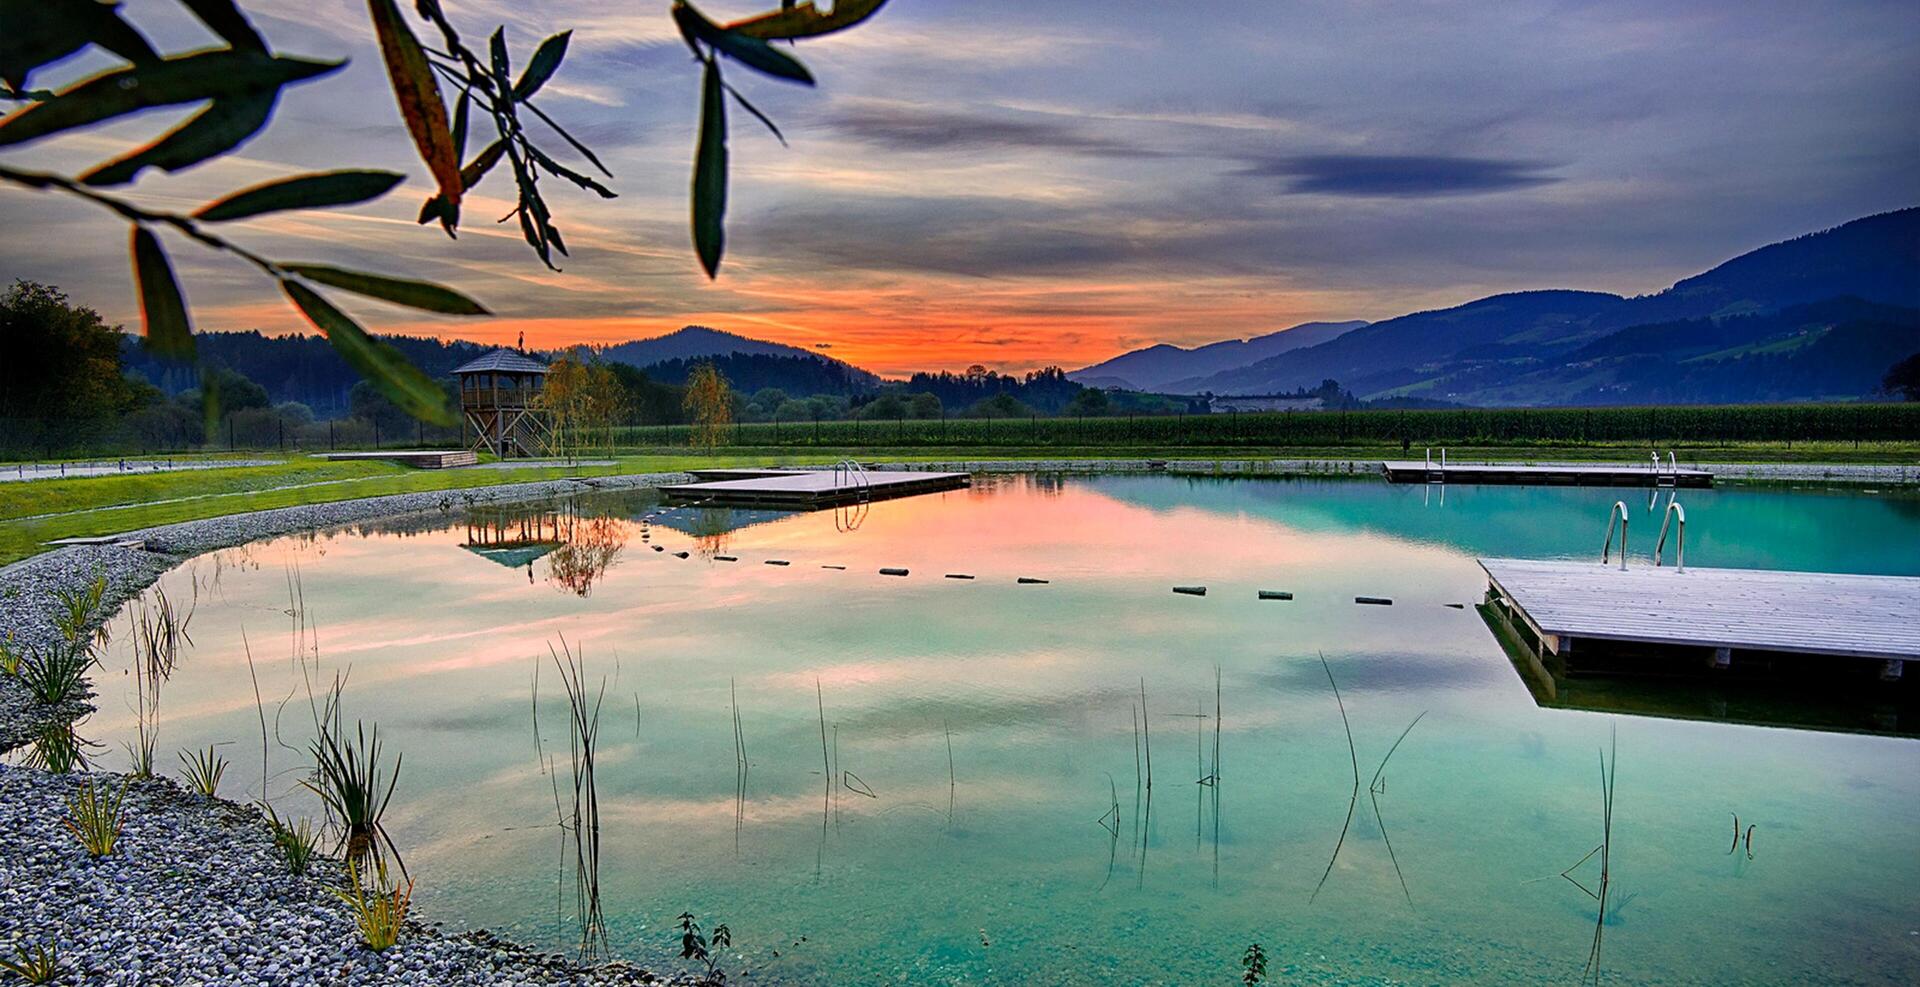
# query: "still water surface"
(1007, 862)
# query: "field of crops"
(1653, 426)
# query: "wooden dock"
(1555, 475)
(426, 459)
(811, 489)
(1657, 617)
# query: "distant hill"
(1837, 349)
(693, 342)
(1166, 367)
(1478, 352)
(748, 364)
(799, 376)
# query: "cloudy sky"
(1018, 183)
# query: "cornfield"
(1650, 426)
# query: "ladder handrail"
(1619, 510)
(1680, 543)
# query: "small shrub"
(297, 841)
(95, 814)
(379, 911)
(9, 656)
(696, 945)
(38, 965)
(1254, 962)
(204, 769)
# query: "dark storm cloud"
(1399, 175)
(908, 127)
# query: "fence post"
(376, 432)
(230, 432)
(330, 445)
(283, 435)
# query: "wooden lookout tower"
(500, 398)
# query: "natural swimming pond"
(994, 725)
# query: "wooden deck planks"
(1566, 474)
(1754, 609)
(816, 488)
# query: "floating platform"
(426, 459)
(1593, 616)
(735, 473)
(811, 489)
(1562, 475)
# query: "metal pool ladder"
(1619, 510)
(1674, 511)
(1439, 475)
(849, 472)
(1669, 477)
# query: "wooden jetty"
(810, 489)
(736, 473)
(426, 459)
(1558, 475)
(1593, 616)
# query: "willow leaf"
(221, 127)
(424, 295)
(163, 311)
(402, 382)
(38, 32)
(804, 20)
(749, 51)
(546, 61)
(228, 22)
(569, 174)
(216, 75)
(418, 94)
(710, 173)
(310, 191)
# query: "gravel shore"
(196, 893)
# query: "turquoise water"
(1008, 863)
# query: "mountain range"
(1172, 369)
(1771, 338)
(1819, 317)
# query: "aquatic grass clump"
(36, 965)
(95, 814)
(10, 656)
(204, 770)
(77, 608)
(57, 749)
(296, 841)
(380, 910)
(53, 674)
(583, 736)
(349, 778)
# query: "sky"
(1019, 184)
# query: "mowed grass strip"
(35, 512)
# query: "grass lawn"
(35, 512)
